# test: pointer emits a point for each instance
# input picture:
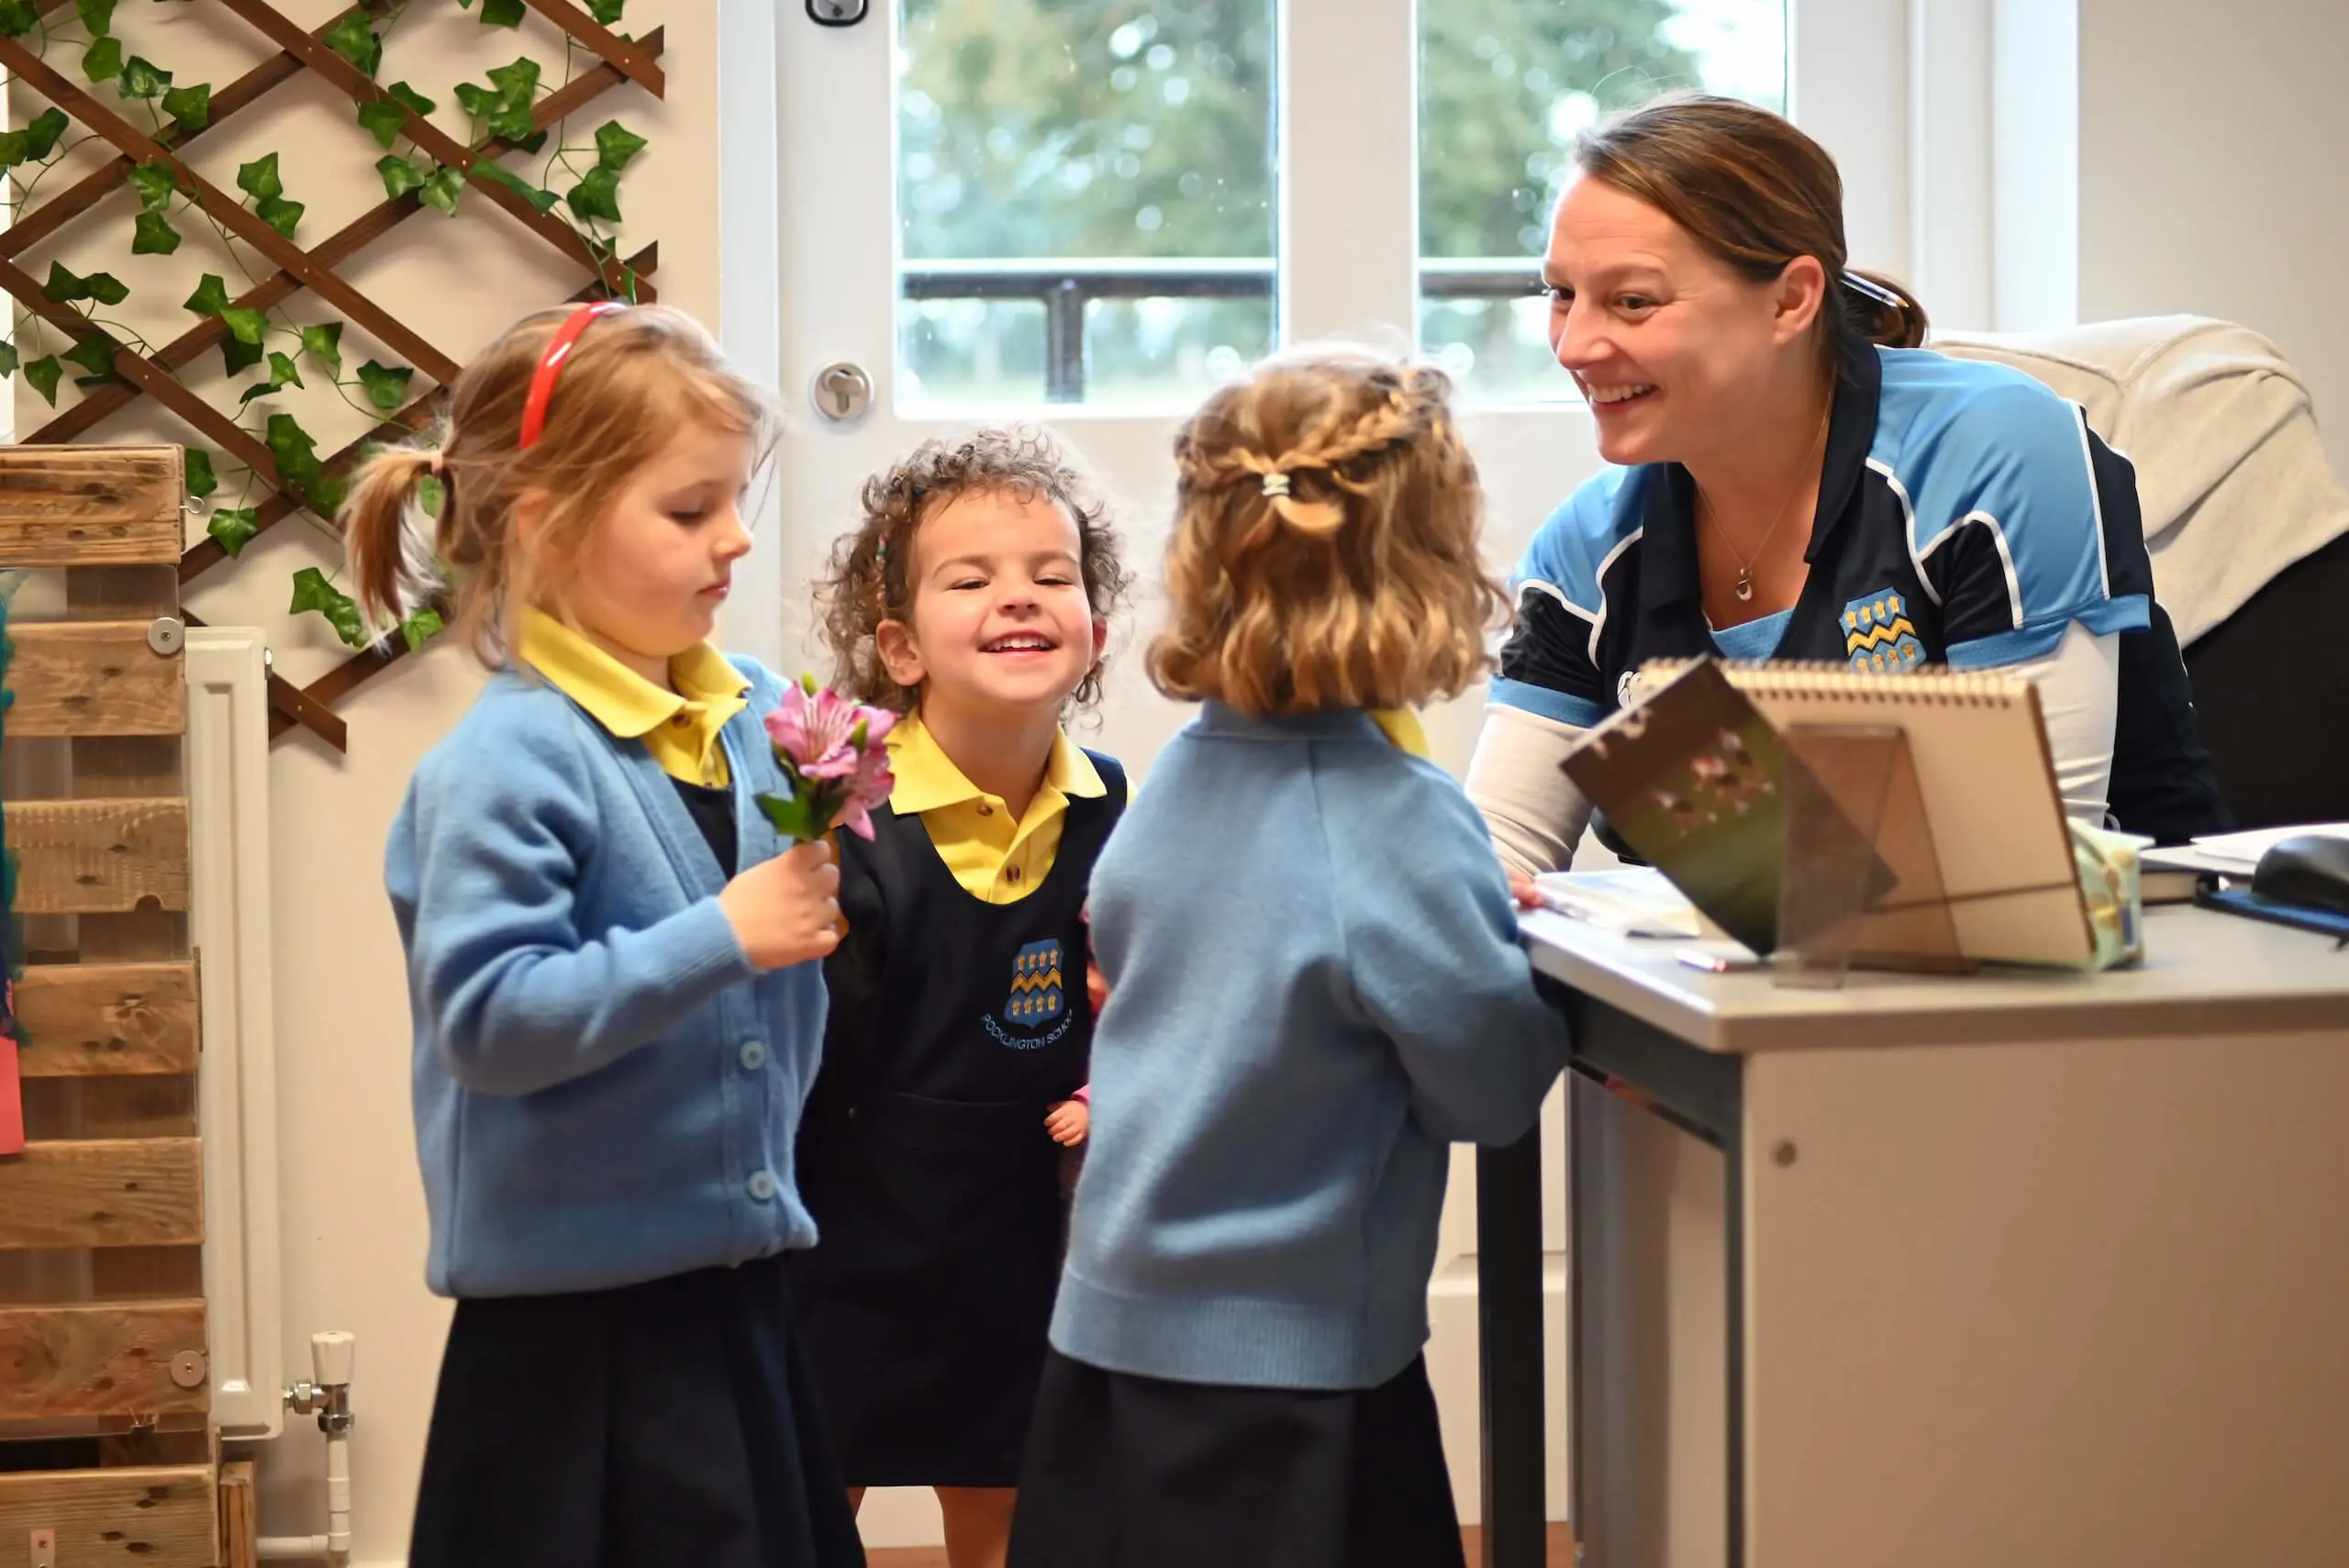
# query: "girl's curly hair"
(870, 579)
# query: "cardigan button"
(761, 1186)
(754, 1055)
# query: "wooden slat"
(165, 1516)
(89, 506)
(127, 1192)
(239, 1516)
(95, 857)
(84, 1021)
(93, 678)
(97, 1359)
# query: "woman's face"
(1678, 353)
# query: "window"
(1503, 85)
(1085, 199)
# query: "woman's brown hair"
(1756, 192)
(871, 577)
(631, 378)
(1325, 546)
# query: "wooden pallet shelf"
(103, 1331)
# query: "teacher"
(1796, 479)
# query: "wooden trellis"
(313, 270)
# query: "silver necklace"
(1746, 564)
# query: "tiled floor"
(1561, 1551)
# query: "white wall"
(2211, 176)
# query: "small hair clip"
(1276, 483)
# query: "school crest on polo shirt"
(1878, 634)
(1037, 1008)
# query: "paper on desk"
(2244, 850)
(1637, 902)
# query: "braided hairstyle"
(871, 577)
(1325, 545)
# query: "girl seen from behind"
(1314, 987)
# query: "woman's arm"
(1533, 810)
(2079, 697)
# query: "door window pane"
(1085, 196)
(1504, 85)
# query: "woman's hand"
(1521, 888)
(1068, 1122)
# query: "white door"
(1084, 213)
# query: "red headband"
(534, 409)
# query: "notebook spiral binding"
(1839, 681)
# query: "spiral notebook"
(1985, 778)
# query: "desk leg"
(1509, 1313)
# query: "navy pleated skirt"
(672, 1422)
(1126, 1471)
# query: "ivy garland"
(499, 110)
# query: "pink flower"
(832, 750)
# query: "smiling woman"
(1743, 377)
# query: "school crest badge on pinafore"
(1037, 996)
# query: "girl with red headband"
(615, 969)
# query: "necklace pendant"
(1744, 588)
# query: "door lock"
(842, 393)
(837, 13)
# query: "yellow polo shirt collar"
(681, 728)
(991, 856)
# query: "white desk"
(1993, 1271)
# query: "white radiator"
(228, 787)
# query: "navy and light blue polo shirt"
(1967, 517)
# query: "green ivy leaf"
(156, 184)
(195, 467)
(597, 195)
(323, 344)
(259, 178)
(282, 373)
(247, 324)
(190, 106)
(400, 176)
(102, 62)
(443, 189)
(412, 98)
(293, 450)
(501, 13)
(421, 628)
(95, 354)
(615, 145)
(143, 79)
(210, 298)
(326, 493)
(313, 592)
(12, 148)
(279, 213)
(383, 121)
(428, 496)
(96, 15)
(41, 375)
(542, 199)
(356, 42)
(386, 384)
(233, 528)
(606, 12)
(7, 359)
(152, 235)
(236, 356)
(516, 81)
(42, 135)
(18, 18)
(65, 288)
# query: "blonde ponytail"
(392, 570)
